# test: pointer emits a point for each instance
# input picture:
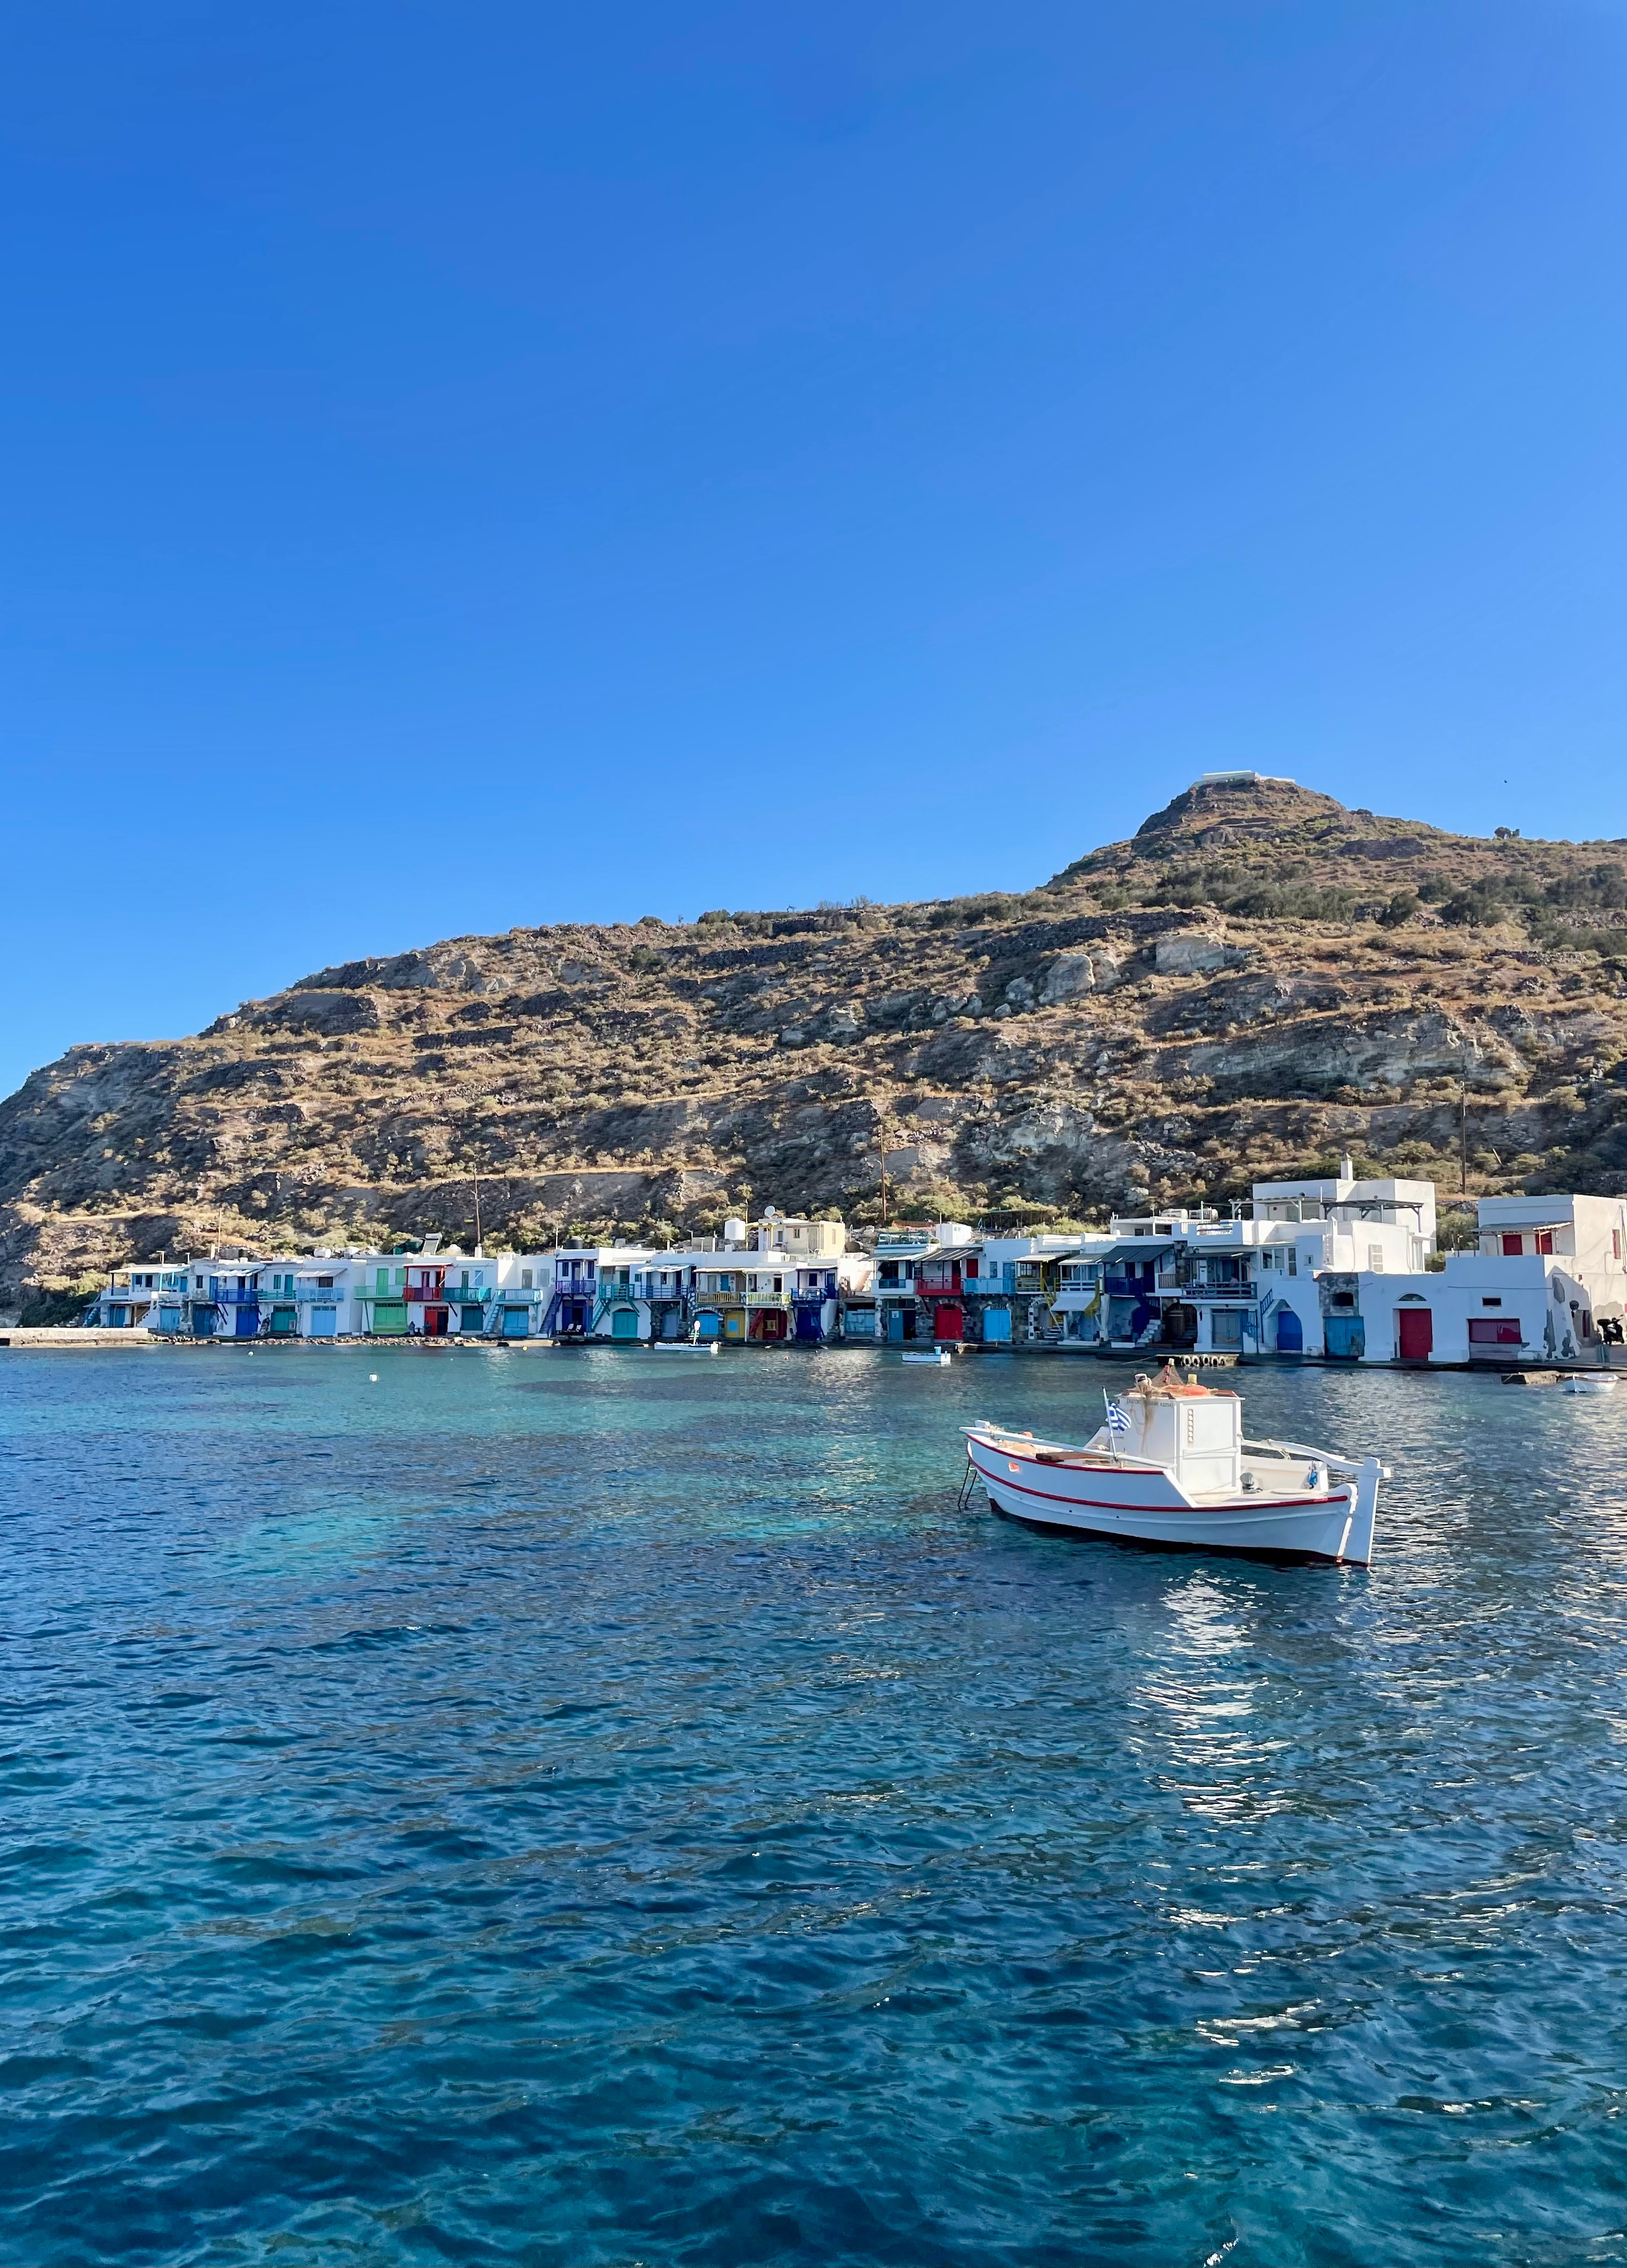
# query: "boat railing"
(1296, 1449)
(995, 1438)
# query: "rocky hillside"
(1260, 979)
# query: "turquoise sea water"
(589, 1807)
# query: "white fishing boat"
(939, 1357)
(686, 1346)
(1170, 1467)
(1590, 1382)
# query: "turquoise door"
(625, 1324)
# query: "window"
(1513, 1245)
(1545, 1241)
(1293, 1260)
(1489, 1302)
(1493, 1330)
(525, 1280)
(1375, 1259)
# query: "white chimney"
(1347, 1169)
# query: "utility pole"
(882, 1143)
(1462, 1137)
(474, 1177)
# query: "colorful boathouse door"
(1415, 1333)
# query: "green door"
(625, 1324)
(389, 1319)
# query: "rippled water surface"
(590, 1807)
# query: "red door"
(1417, 1333)
(434, 1322)
(948, 1321)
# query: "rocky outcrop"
(1260, 979)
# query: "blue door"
(1290, 1332)
(1347, 1338)
(996, 1325)
(249, 1322)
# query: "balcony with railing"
(1209, 1277)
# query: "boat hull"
(1143, 1506)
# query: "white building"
(1548, 1273)
(1182, 1278)
(588, 1291)
(149, 1298)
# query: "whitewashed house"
(584, 1291)
(1182, 1279)
(1549, 1272)
(146, 1298)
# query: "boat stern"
(1357, 1549)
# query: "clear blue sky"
(488, 464)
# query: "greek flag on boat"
(1118, 1418)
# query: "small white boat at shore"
(939, 1357)
(686, 1346)
(1590, 1382)
(1170, 1467)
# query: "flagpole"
(1113, 1430)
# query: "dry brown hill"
(1261, 978)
